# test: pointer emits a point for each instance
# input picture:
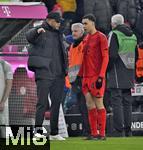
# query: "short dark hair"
(90, 17)
(141, 45)
(55, 15)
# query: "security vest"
(139, 63)
(67, 82)
(75, 61)
(127, 45)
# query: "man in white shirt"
(6, 77)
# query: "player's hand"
(40, 30)
(99, 82)
(1, 106)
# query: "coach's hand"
(40, 30)
(99, 82)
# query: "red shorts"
(88, 85)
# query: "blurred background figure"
(102, 11)
(120, 74)
(6, 77)
(75, 61)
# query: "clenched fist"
(40, 30)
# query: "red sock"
(98, 121)
(102, 121)
(92, 115)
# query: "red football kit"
(95, 61)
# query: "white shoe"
(57, 137)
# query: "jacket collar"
(46, 26)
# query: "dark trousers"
(81, 102)
(84, 112)
(55, 89)
(121, 101)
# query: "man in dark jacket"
(127, 8)
(47, 58)
(120, 74)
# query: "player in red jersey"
(95, 61)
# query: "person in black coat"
(47, 58)
(79, 10)
(127, 8)
(139, 23)
(102, 11)
(49, 4)
(120, 80)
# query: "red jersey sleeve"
(105, 55)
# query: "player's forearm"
(104, 66)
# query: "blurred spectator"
(79, 10)
(138, 104)
(70, 103)
(102, 11)
(127, 8)
(58, 8)
(139, 22)
(22, 98)
(28, 0)
(69, 6)
(75, 61)
(113, 6)
(6, 77)
(69, 39)
(120, 74)
(69, 13)
(49, 4)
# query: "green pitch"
(132, 143)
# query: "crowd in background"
(73, 11)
